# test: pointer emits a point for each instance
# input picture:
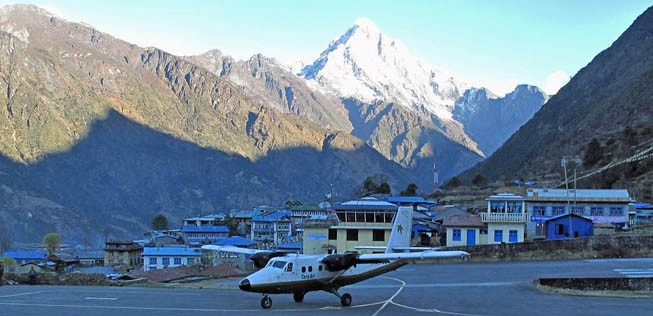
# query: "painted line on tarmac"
(393, 296)
(21, 294)
(175, 309)
(444, 285)
(101, 298)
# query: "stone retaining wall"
(599, 284)
(605, 246)
(61, 279)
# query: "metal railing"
(504, 217)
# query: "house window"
(191, 261)
(497, 207)
(596, 211)
(512, 236)
(153, 260)
(539, 210)
(616, 211)
(352, 234)
(514, 207)
(483, 231)
(369, 217)
(557, 210)
(378, 235)
(166, 261)
(333, 234)
(177, 261)
(456, 235)
(498, 235)
(578, 210)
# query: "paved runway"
(440, 289)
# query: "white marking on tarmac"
(635, 273)
(101, 298)
(393, 296)
(21, 294)
(430, 310)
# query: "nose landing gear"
(266, 301)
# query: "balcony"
(504, 217)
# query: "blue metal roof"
(271, 217)
(204, 229)
(172, 251)
(292, 246)
(563, 215)
(235, 241)
(25, 254)
(408, 200)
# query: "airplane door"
(471, 237)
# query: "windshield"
(278, 264)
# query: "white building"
(169, 257)
(506, 218)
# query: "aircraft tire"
(345, 300)
(298, 296)
(266, 302)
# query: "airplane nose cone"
(244, 285)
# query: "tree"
(377, 184)
(479, 180)
(160, 222)
(51, 241)
(593, 153)
(453, 182)
(411, 190)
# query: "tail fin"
(401, 229)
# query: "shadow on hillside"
(123, 174)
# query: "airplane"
(298, 274)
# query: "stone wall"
(599, 284)
(621, 246)
(60, 279)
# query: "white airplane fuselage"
(305, 273)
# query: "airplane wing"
(233, 249)
(424, 255)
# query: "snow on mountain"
(366, 65)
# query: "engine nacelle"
(340, 261)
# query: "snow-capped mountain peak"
(365, 64)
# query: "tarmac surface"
(504, 288)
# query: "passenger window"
(303, 269)
(310, 268)
(319, 267)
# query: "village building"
(122, 254)
(465, 230)
(603, 207)
(170, 257)
(272, 228)
(203, 235)
(558, 227)
(206, 220)
(506, 218)
(24, 257)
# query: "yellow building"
(365, 222)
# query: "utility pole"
(577, 160)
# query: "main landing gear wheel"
(266, 302)
(345, 299)
(298, 296)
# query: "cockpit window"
(279, 264)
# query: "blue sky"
(490, 43)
